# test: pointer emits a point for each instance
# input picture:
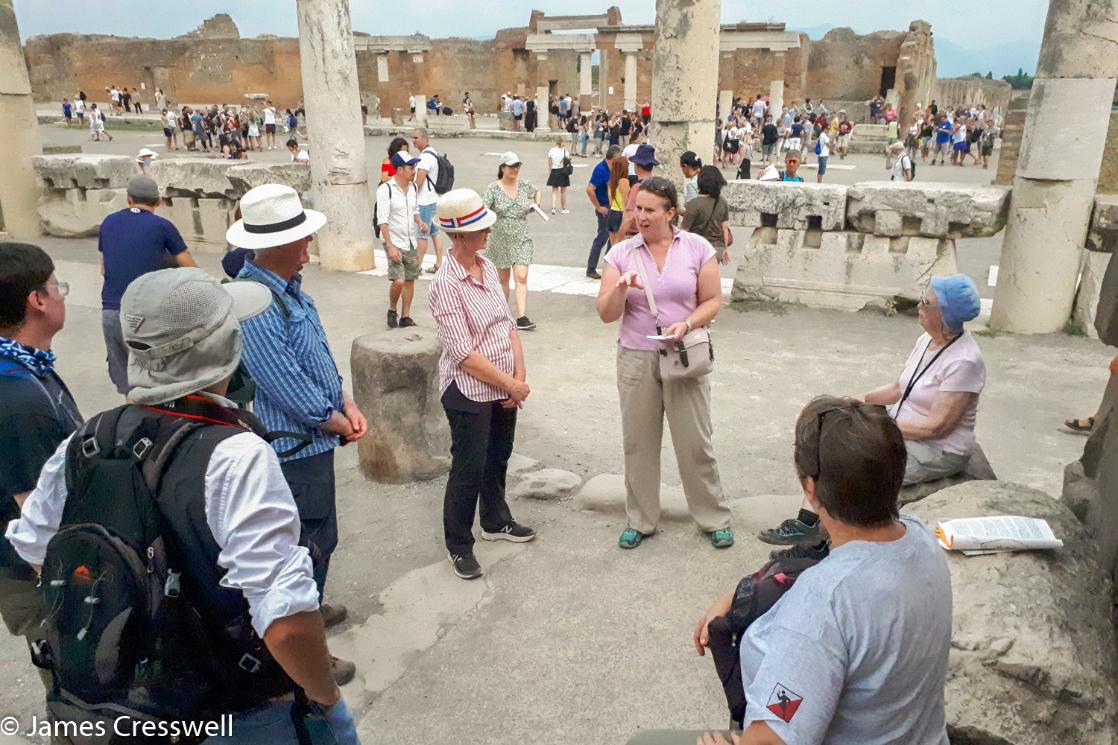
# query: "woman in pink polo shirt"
(683, 271)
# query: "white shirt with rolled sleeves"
(397, 208)
(249, 509)
(429, 163)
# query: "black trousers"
(312, 484)
(480, 446)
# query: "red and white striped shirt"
(471, 316)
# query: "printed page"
(998, 533)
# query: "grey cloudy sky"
(995, 31)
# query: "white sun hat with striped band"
(462, 211)
(272, 215)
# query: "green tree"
(1022, 81)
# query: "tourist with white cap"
(298, 386)
(511, 199)
(133, 242)
(398, 223)
(226, 546)
(934, 400)
(902, 162)
(482, 381)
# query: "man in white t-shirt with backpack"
(903, 169)
(426, 176)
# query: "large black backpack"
(444, 182)
(755, 595)
(127, 631)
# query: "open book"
(982, 535)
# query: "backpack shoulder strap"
(155, 462)
(96, 438)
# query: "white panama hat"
(146, 152)
(462, 211)
(272, 215)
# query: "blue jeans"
(600, 241)
(271, 724)
(427, 216)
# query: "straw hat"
(462, 211)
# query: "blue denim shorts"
(427, 216)
(271, 724)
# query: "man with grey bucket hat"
(298, 386)
(132, 242)
(226, 549)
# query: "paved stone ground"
(570, 639)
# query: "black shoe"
(406, 322)
(523, 324)
(465, 565)
(817, 552)
(342, 670)
(511, 532)
(393, 319)
(593, 275)
(792, 532)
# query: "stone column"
(585, 80)
(19, 189)
(776, 99)
(684, 79)
(725, 103)
(543, 110)
(339, 174)
(421, 111)
(1058, 167)
(631, 81)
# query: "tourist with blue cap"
(934, 400)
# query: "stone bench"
(806, 206)
(930, 210)
(978, 469)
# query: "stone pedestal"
(505, 121)
(398, 117)
(585, 81)
(420, 111)
(543, 117)
(1058, 166)
(339, 172)
(396, 386)
(684, 79)
(19, 191)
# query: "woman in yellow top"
(618, 193)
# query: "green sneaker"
(630, 538)
(722, 538)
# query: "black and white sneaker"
(465, 565)
(393, 319)
(511, 532)
(524, 324)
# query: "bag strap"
(638, 259)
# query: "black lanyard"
(918, 373)
(202, 409)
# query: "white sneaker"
(564, 212)
(553, 211)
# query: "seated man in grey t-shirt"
(855, 653)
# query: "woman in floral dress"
(510, 246)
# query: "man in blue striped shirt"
(298, 387)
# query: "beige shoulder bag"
(693, 357)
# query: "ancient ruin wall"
(845, 66)
(973, 92)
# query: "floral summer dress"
(509, 243)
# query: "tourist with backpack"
(903, 167)
(433, 177)
(36, 411)
(827, 663)
(173, 512)
(298, 386)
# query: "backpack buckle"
(90, 448)
(249, 663)
(142, 448)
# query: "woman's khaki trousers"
(645, 399)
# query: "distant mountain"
(954, 60)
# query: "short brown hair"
(856, 454)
